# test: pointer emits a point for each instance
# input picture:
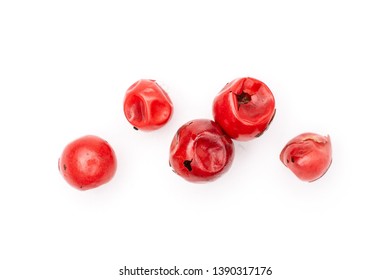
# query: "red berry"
(201, 151)
(308, 156)
(244, 108)
(147, 106)
(87, 162)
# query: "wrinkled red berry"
(244, 108)
(200, 151)
(308, 156)
(147, 106)
(87, 162)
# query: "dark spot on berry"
(243, 98)
(64, 167)
(135, 128)
(292, 160)
(272, 118)
(187, 164)
(287, 161)
(258, 135)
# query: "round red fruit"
(87, 162)
(200, 151)
(308, 156)
(244, 108)
(147, 106)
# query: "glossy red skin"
(244, 108)
(87, 162)
(147, 106)
(308, 156)
(200, 151)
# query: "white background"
(64, 69)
